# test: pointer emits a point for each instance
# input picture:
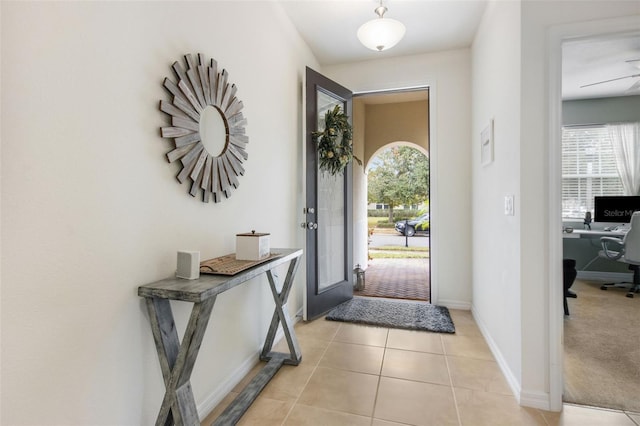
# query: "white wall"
(538, 18)
(496, 237)
(91, 209)
(448, 76)
(524, 338)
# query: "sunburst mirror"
(207, 128)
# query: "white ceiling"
(589, 61)
(329, 28)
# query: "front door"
(328, 210)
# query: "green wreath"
(335, 142)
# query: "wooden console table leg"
(234, 411)
(281, 315)
(177, 360)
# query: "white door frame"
(558, 35)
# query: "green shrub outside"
(402, 214)
(397, 215)
(385, 224)
(377, 213)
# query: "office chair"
(569, 274)
(625, 250)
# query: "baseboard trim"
(299, 315)
(512, 381)
(537, 400)
(218, 394)
(454, 304)
(616, 277)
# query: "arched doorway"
(398, 223)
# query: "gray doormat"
(387, 313)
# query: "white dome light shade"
(381, 33)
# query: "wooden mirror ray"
(196, 88)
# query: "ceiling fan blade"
(634, 62)
(634, 87)
(613, 79)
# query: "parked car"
(418, 225)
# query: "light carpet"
(392, 314)
(602, 348)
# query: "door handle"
(309, 225)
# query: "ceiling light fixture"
(381, 33)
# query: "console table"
(177, 359)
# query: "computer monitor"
(615, 209)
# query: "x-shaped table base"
(177, 359)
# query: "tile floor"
(359, 375)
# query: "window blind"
(588, 169)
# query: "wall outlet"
(508, 205)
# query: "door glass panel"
(331, 241)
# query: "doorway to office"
(558, 36)
(393, 129)
(594, 374)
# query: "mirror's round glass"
(213, 131)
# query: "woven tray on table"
(229, 265)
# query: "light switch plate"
(508, 205)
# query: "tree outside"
(399, 176)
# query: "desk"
(594, 246)
(177, 360)
(588, 233)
